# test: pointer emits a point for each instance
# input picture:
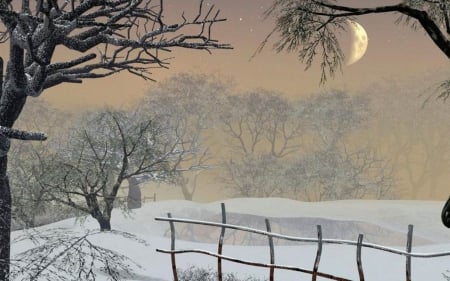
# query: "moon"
(360, 41)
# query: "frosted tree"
(104, 37)
(261, 121)
(106, 149)
(310, 27)
(190, 102)
(305, 149)
(260, 130)
(335, 163)
(29, 210)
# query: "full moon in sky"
(359, 44)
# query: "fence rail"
(272, 266)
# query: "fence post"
(272, 251)
(319, 253)
(219, 249)
(172, 248)
(358, 257)
(408, 249)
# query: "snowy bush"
(209, 274)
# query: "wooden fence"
(314, 272)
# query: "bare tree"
(319, 160)
(310, 27)
(337, 174)
(100, 156)
(190, 103)
(261, 175)
(333, 115)
(335, 164)
(129, 35)
(417, 142)
(261, 130)
(261, 121)
(29, 210)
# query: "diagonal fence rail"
(407, 253)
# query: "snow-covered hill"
(382, 222)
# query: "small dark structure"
(134, 198)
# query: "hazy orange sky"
(393, 51)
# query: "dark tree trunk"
(5, 220)
(103, 221)
(103, 218)
(134, 198)
(12, 100)
(105, 224)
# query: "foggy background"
(407, 127)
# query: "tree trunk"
(187, 194)
(134, 198)
(13, 96)
(105, 224)
(103, 219)
(5, 221)
(12, 100)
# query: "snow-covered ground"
(382, 222)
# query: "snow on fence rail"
(272, 266)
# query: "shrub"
(194, 273)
